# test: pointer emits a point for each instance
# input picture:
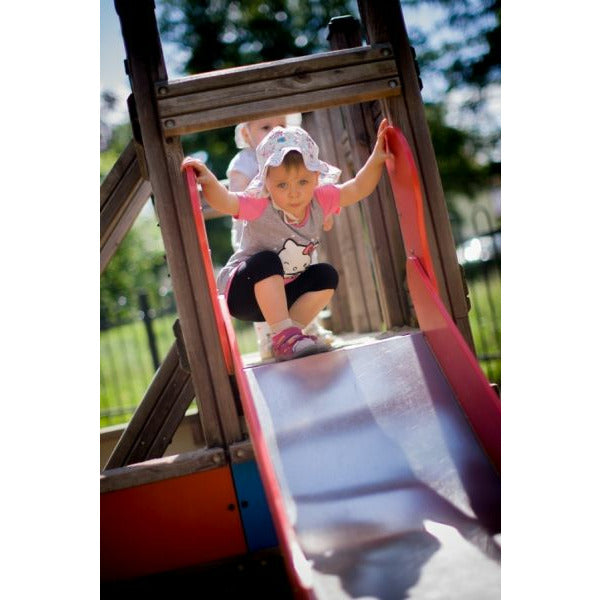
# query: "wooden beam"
(159, 469)
(212, 387)
(347, 238)
(384, 22)
(158, 415)
(318, 125)
(229, 96)
(123, 194)
(379, 209)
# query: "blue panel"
(256, 517)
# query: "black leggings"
(241, 299)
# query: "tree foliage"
(467, 53)
(138, 264)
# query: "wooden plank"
(117, 172)
(173, 419)
(300, 66)
(159, 469)
(302, 101)
(384, 22)
(354, 245)
(361, 295)
(123, 194)
(163, 392)
(396, 288)
(248, 91)
(316, 123)
(212, 386)
(379, 209)
(168, 411)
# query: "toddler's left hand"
(380, 150)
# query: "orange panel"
(169, 524)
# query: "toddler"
(271, 277)
(240, 172)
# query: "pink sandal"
(292, 343)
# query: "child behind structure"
(271, 278)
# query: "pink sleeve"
(250, 208)
(328, 197)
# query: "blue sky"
(112, 50)
(112, 55)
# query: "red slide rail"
(478, 400)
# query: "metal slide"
(380, 462)
(387, 491)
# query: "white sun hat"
(294, 119)
(272, 150)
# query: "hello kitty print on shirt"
(295, 258)
(265, 228)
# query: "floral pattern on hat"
(272, 150)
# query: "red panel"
(169, 524)
(473, 392)
(409, 202)
(205, 251)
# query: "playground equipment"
(374, 468)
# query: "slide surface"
(386, 488)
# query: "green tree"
(462, 44)
(458, 51)
(137, 265)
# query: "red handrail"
(473, 392)
(409, 200)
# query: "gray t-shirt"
(264, 228)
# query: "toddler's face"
(255, 131)
(291, 188)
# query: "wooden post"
(211, 382)
(389, 258)
(346, 241)
(384, 22)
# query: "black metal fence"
(480, 257)
(131, 351)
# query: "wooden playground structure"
(164, 513)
